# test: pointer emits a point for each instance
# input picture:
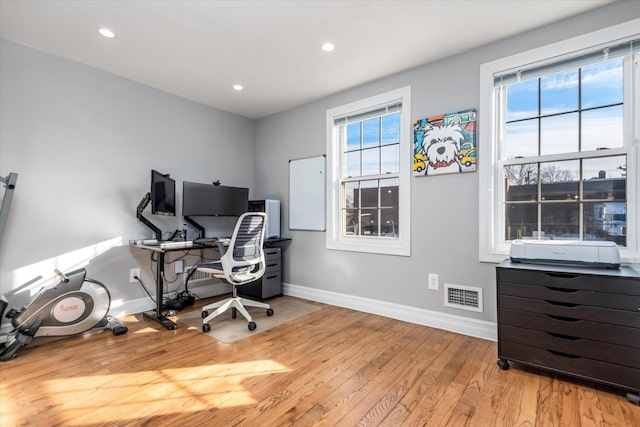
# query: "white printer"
(602, 254)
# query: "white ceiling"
(199, 49)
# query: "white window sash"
(334, 236)
(492, 247)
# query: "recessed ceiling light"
(328, 47)
(237, 87)
(105, 32)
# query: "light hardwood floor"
(334, 367)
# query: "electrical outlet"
(133, 273)
(178, 266)
(433, 281)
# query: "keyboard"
(179, 244)
(206, 240)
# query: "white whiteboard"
(307, 180)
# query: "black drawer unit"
(270, 285)
(582, 322)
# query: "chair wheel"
(269, 311)
(252, 326)
(206, 328)
(503, 364)
(204, 313)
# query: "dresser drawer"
(595, 350)
(600, 282)
(614, 334)
(571, 310)
(272, 283)
(595, 370)
(572, 296)
(272, 254)
(272, 266)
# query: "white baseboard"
(462, 325)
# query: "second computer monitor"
(213, 200)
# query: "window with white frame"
(368, 148)
(561, 133)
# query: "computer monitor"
(163, 194)
(213, 200)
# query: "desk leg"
(157, 314)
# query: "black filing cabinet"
(270, 284)
(582, 322)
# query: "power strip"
(180, 303)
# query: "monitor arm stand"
(196, 225)
(141, 207)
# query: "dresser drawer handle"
(272, 277)
(564, 337)
(564, 319)
(558, 353)
(272, 265)
(562, 275)
(561, 289)
(563, 304)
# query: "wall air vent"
(463, 297)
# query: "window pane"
(371, 161)
(606, 221)
(522, 139)
(391, 129)
(390, 158)
(369, 221)
(369, 193)
(353, 163)
(605, 178)
(521, 220)
(559, 134)
(371, 132)
(353, 136)
(350, 194)
(560, 180)
(559, 92)
(351, 222)
(389, 193)
(602, 128)
(561, 220)
(602, 84)
(389, 222)
(522, 100)
(521, 182)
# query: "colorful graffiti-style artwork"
(445, 143)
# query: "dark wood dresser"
(583, 322)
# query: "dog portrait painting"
(445, 144)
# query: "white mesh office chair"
(242, 262)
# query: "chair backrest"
(243, 262)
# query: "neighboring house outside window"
(559, 138)
(368, 147)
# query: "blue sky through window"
(601, 85)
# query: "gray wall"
(444, 208)
(83, 143)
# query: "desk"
(157, 313)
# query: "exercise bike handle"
(61, 275)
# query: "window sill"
(394, 247)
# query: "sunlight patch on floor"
(166, 391)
